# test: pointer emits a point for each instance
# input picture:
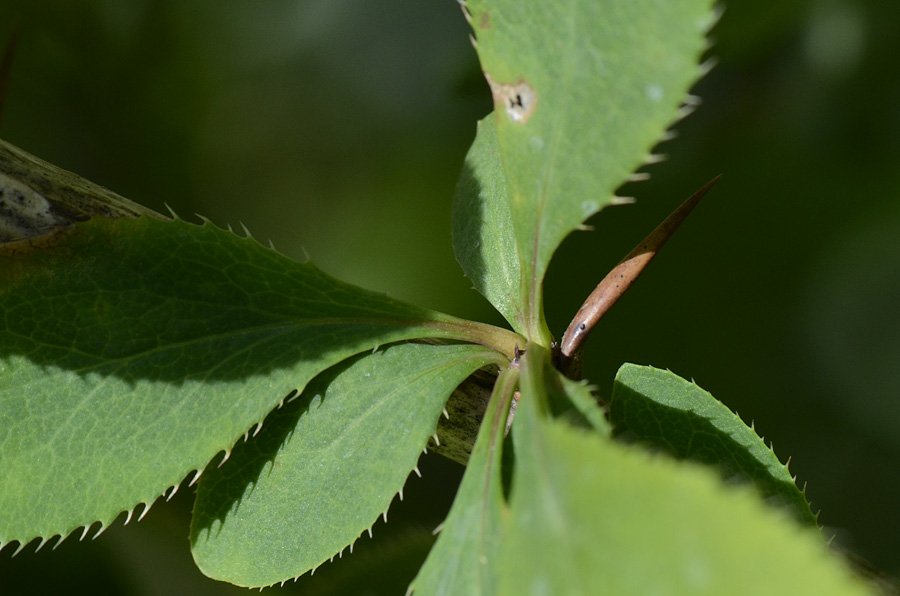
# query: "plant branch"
(502, 340)
(616, 282)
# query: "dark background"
(338, 128)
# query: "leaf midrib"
(537, 269)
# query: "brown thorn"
(6, 65)
(617, 281)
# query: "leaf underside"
(623, 522)
(582, 91)
(124, 339)
(327, 465)
(659, 408)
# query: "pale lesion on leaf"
(40, 203)
(518, 100)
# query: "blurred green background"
(337, 128)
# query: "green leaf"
(382, 567)
(623, 522)
(132, 351)
(662, 409)
(329, 465)
(39, 201)
(483, 237)
(464, 558)
(582, 91)
(570, 400)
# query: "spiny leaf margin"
(582, 91)
(328, 466)
(123, 338)
(464, 558)
(659, 408)
(623, 522)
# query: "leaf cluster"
(137, 350)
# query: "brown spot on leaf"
(23, 247)
(485, 22)
(518, 100)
